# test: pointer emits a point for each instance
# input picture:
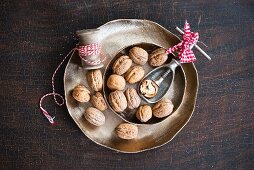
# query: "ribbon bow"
(185, 54)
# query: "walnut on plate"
(98, 101)
(94, 116)
(81, 94)
(94, 78)
(127, 131)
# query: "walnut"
(158, 57)
(163, 108)
(117, 101)
(81, 94)
(138, 55)
(94, 116)
(94, 78)
(98, 101)
(121, 65)
(133, 99)
(127, 131)
(134, 74)
(148, 88)
(144, 113)
(116, 82)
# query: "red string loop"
(46, 114)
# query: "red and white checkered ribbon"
(88, 50)
(185, 54)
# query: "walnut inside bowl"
(148, 88)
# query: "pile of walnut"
(94, 114)
(119, 99)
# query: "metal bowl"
(175, 92)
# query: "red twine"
(46, 114)
(185, 54)
(90, 49)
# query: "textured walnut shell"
(121, 65)
(127, 131)
(117, 101)
(94, 78)
(134, 74)
(116, 82)
(98, 101)
(163, 108)
(138, 55)
(94, 116)
(81, 94)
(133, 99)
(144, 113)
(158, 57)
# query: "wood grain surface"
(35, 36)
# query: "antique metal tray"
(115, 36)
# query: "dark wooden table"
(35, 35)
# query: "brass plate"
(117, 35)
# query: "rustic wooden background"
(35, 35)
